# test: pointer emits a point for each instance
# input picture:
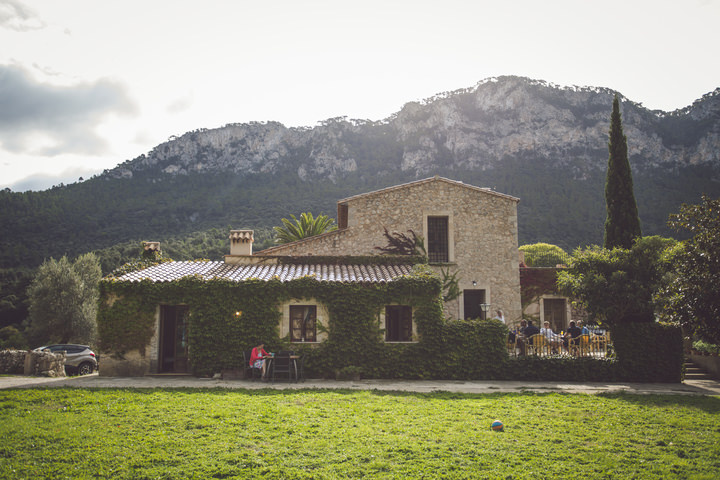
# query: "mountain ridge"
(544, 144)
(506, 116)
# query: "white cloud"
(43, 181)
(48, 119)
(16, 16)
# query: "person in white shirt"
(500, 316)
(554, 339)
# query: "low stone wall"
(45, 364)
(709, 363)
(130, 364)
(12, 362)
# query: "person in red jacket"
(257, 358)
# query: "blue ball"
(497, 425)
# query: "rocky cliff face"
(475, 129)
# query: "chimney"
(151, 246)
(151, 250)
(241, 242)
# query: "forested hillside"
(544, 144)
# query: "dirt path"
(690, 387)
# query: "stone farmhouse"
(466, 229)
(146, 316)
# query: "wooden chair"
(282, 363)
(538, 344)
(583, 345)
(249, 371)
(598, 346)
(512, 345)
(301, 368)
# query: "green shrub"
(705, 347)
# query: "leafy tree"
(693, 297)
(544, 255)
(306, 226)
(622, 224)
(11, 337)
(63, 300)
(618, 285)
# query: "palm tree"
(306, 226)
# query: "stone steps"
(693, 372)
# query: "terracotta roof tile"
(169, 271)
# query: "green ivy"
(454, 349)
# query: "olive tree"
(63, 300)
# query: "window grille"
(438, 240)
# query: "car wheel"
(85, 369)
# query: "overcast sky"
(88, 84)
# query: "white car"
(79, 359)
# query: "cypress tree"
(622, 225)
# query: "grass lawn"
(269, 434)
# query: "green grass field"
(270, 434)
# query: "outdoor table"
(293, 359)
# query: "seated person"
(531, 329)
(573, 332)
(528, 332)
(554, 339)
(257, 359)
(520, 335)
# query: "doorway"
(173, 339)
(554, 312)
(472, 299)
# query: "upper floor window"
(398, 323)
(303, 323)
(437, 240)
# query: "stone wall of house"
(130, 364)
(483, 235)
(12, 362)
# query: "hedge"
(649, 352)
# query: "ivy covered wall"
(217, 335)
(446, 349)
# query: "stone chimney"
(151, 247)
(151, 250)
(241, 242)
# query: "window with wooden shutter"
(303, 320)
(398, 323)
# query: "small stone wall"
(45, 364)
(12, 362)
